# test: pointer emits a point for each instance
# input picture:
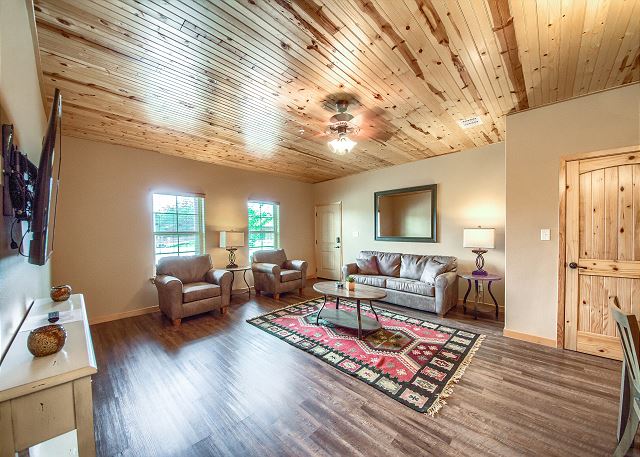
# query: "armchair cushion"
(199, 291)
(268, 268)
(186, 269)
(277, 257)
(290, 275)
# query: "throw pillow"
(368, 265)
(432, 269)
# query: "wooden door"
(602, 249)
(329, 240)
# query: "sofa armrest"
(268, 268)
(222, 278)
(446, 292)
(349, 269)
(299, 265)
(169, 295)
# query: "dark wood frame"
(434, 213)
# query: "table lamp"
(231, 241)
(480, 239)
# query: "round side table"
(489, 278)
(244, 270)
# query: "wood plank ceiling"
(252, 83)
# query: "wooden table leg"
(464, 302)
(359, 319)
(7, 445)
(495, 302)
(84, 417)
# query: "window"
(264, 226)
(178, 225)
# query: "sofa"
(273, 273)
(424, 282)
(189, 285)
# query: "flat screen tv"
(46, 189)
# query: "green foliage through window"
(264, 226)
(178, 225)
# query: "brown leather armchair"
(273, 273)
(189, 285)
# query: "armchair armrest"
(349, 269)
(222, 278)
(268, 268)
(446, 292)
(299, 265)
(169, 295)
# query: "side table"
(244, 270)
(489, 278)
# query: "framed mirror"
(406, 214)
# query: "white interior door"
(329, 240)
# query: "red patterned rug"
(412, 360)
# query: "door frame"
(562, 213)
(315, 234)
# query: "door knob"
(573, 265)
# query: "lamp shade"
(479, 238)
(231, 239)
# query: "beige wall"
(20, 105)
(536, 139)
(104, 242)
(470, 193)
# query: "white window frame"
(200, 233)
(275, 231)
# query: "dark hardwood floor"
(219, 386)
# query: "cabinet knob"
(573, 265)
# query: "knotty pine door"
(602, 249)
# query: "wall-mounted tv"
(46, 188)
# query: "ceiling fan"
(341, 124)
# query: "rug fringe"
(448, 389)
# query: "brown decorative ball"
(46, 340)
(60, 293)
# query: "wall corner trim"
(550, 342)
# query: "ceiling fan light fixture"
(342, 145)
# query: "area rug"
(414, 361)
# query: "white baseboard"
(550, 342)
(123, 315)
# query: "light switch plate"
(356, 234)
(545, 234)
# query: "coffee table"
(343, 318)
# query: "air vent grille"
(470, 122)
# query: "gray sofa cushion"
(199, 291)
(290, 275)
(388, 262)
(371, 280)
(368, 266)
(412, 286)
(412, 265)
(431, 270)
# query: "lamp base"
(232, 258)
(479, 262)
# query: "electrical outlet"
(356, 234)
(545, 234)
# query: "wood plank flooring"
(219, 386)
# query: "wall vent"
(470, 122)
